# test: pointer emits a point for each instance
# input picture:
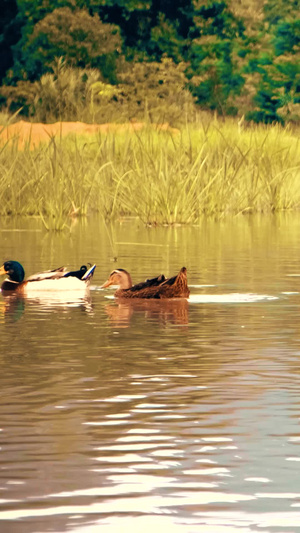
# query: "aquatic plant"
(162, 177)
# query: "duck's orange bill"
(106, 284)
(2, 271)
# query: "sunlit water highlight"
(178, 416)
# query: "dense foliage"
(147, 57)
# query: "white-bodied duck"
(58, 279)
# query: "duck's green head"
(13, 270)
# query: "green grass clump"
(213, 168)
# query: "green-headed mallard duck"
(58, 279)
(159, 287)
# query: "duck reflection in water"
(163, 311)
(13, 305)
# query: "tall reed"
(160, 177)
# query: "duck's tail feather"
(89, 273)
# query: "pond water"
(178, 416)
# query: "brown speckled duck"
(160, 287)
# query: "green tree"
(10, 33)
(278, 10)
(147, 25)
(212, 55)
(286, 37)
(277, 95)
(81, 39)
(156, 91)
(26, 14)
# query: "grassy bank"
(209, 168)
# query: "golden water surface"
(178, 416)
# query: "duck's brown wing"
(156, 281)
(48, 274)
(153, 282)
(175, 287)
(170, 281)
